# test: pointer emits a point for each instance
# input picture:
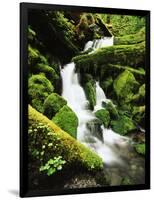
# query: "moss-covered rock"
(47, 140)
(67, 120)
(104, 116)
(49, 72)
(52, 104)
(56, 29)
(140, 148)
(34, 56)
(140, 96)
(138, 114)
(90, 91)
(39, 87)
(107, 84)
(111, 108)
(125, 85)
(123, 125)
(91, 26)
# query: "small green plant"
(53, 165)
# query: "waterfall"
(88, 131)
(100, 96)
(76, 98)
(99, 43)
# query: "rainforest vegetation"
(56, 158)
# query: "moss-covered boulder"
(125, 85)
(39, 87)
(91, 26)
(90, 91)
(104, 116)
(123, 125)
(47, 140)
(52, 104)
(140, 148)
(49, 72)
(67, 120)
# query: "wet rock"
(94, 127)
(104, 116)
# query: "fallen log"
(124, 55)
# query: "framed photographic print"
(85, 99)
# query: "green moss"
(129, 55)
(123, 125)
(34, 56)
(126, 181)
(52, 104)
(56, 142)
(49, 72)
(64, 30)
(31, 34)
(107, 82)
(111, 108)
(142, 91)
(104, 116)
(39, 87)
(131, 39)
(140, 71)
(67, 120)
(125, 85)
(90, 91)
(140, 96)
(138, 113)
(140, 148)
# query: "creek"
(122, 165)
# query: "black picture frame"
(24, 7)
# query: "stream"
(122, 165)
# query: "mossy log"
(129, 55)
(130, 39)
(63, 144)
(140, 71)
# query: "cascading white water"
(72, 91)
(99, 43)
(100, 97)
(75, 96)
